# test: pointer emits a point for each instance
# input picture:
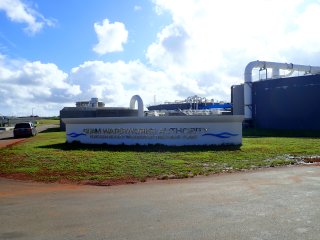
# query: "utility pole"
(32, 116)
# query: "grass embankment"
(46, 157)
(48, 121)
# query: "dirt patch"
(315, 159)
(110, 182)
(301, 160)
(9, 142)
(16, 176)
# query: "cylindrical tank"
(237, 99)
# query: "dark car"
(25, 129)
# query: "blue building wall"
(287, 103)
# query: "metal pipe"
(275, 72)
(134, 99)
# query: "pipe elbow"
(250, 66)
(134, 99)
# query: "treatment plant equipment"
(144, 129)
(191, 103)
(282, 101)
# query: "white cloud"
(115, 83)
(172, 46)
(210, 42)
(111, 37)
(137, 8)
(306, 37)
(25, 85)
(18, 11)
(203, 51)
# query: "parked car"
(24, 129)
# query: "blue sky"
(69, 41)
(53, 53)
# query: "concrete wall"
(166, 130)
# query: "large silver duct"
(275, 73)
(134, 99)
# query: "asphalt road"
(280, 203)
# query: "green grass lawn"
(49, 121)
(46, 157)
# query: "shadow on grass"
(7, 138)
(50, 130)
(139, 148)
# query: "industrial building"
(287, 98)
(92, 109)
(279, 102)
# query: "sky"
(54, 53)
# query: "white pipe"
(140, 104)
(275, 71)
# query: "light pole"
(32, 116)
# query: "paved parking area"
(280, 203)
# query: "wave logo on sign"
(221, 135)
(74, 134)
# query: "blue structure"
(283, 103)
(191, 103)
